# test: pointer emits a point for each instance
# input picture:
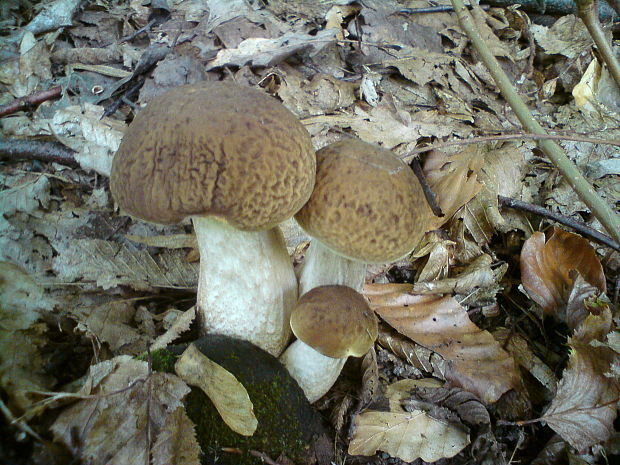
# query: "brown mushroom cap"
(335, 321)
(214, 148)
(367, 205)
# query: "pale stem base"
(322, 266)
(314, 372)
(247, 287)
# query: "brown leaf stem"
(604, 212)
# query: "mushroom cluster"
(238, 163)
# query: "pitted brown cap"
(367, 205)
(217, 149)
(335, 321)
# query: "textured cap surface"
(214, 148)
(335, 321)
(367, 205)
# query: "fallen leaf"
(258, 51)
(478, 364)
(180, 325)
(453, 179)
(109, 425)
(227, 394)
(176, 444)
(548, 271)
(406, 435)
(584, 408)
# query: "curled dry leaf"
(453, 179)
(180, 325)
(227, 394)
(110, 425)
(548, 271)
(370, 378)
(478, 364)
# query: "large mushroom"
(331, 323)
(367, 207)
(238, 163)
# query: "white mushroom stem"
(247, 286)
(322, 266)
(314, 372)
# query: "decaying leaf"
(21, 338)
(180, 325)
(227, 394)
(478, 363)
(406, 435)
(584, 408)
(122, 397)
(549, 267)
(453, 179)
(176, 444)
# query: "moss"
(286, 421)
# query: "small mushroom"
(367, 207)
(331, 323)
(238, 163)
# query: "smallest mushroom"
(331, 323)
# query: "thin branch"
(566, 221)
(605, 214)
(479, 140)
(588, 12)
(31, 100)
(431, 198)
(47, 151)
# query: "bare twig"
(264, 457)
(31, 100)
(47, 151)
(431, 198)
(573, 224)
(588, 12)
(479, 140)
(605, 214)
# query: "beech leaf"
(548, 271)
(478, 363)
(406, 435)
(227, 394)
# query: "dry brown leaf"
(180, 325)
(176, 444)
(584, 408)
(453, 179)
(370, 378)
(406, 435)
(22, 362)
(415, 354)
(478, 363)
(548, 271)
(110, 425)
(477, 275)
(228, 395)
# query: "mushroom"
(237, 163)
(331, 323)
(367, 207)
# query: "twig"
(574, 224)
(23, 103)
(478, 140)
(264, 457)
(588, 12)
(137, 32)
(47, 151)
(431, 198)
(605, 214)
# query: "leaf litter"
(76, 274)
